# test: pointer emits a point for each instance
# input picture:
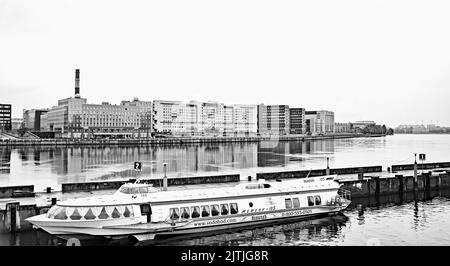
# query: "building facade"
(273, 119)
(203, 118)
(245, 119)
(73, 117)
(343, 127)
(362, 124)
(16, 123)
(319, 122)
(32, 118)
(297, 120)
(175, 117)
(5, 117)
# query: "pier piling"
(12, 223)
(401, 182)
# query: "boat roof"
(260, 187)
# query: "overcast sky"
(387, 61)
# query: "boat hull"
(139, 232)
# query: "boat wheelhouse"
(146, 212)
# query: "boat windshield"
(135, 190)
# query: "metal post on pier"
(415, 171)
(165, 177)
(328, 166)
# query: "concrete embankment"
(169, 141)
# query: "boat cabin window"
(134, 190)
(75, 215)
(128, 212)
(233, 208)
(185, 213)
(174, 213)
(318, 200)
(143, 190)
(224, 209)
(214, 210)
(89, 215)
(205, 211)
(115, 214)
(296, 203)
(256, 186)
(60, 214)
(288, 203)
(125, 190)
(103, 214)
(195, 212)
(310, 201)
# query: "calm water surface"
(49, 166)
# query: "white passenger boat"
(144, 212)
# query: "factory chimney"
(77, 83)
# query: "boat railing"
(345, 194)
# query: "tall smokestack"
(77, 83)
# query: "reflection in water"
(51, 166)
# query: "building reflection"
(5, 160)
(283, 152)
(117, 161)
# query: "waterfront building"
(363, 124)
(16, 123)
(245, 119)
(319, 121)
(203, 118)
(211, 117)
(273, 119)
(310, 121)
(32, 118)
(74, 117)
(343, 127)
(5, 117)
(175, 117)
(297, 120)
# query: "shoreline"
(173, 140)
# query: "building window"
(205, 211)
(310, 201)
(288, 203)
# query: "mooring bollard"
(48, 190)
(53, 201)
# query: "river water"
(418, 220)
(50, 166)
